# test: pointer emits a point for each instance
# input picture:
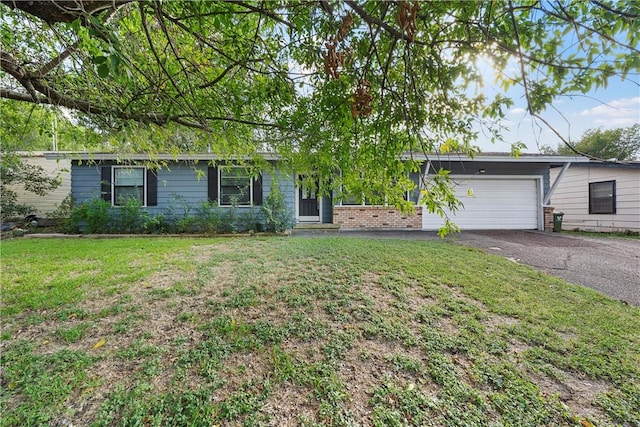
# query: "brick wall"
(376, 217)
(548, 218)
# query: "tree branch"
(264, 12)
(20, 96)
(616, 11)
(46, 69)
(372, 20)
(53, 11)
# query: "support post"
(547, 197)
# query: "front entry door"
(308, 204)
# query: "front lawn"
(295, 331)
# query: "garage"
(493, 203)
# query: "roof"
(450, 157)
(612, 165)
(498, 158)
(96, 157)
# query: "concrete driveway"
(606, 264)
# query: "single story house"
(498, 191)
(599, 196)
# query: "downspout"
(547, 197)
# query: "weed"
(44, 382)
(188, 317)
(138, 349)
(410, 405)
(405, 363)
(74, 333)
(246, 400)
(127, 323)
(305, 328)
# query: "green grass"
(628, 234)
(323, 331)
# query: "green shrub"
(155, 224)
(98, 216)
(249, 220)
(208, 217)
(91, 216)
(64, 209)
(228, 222)
(129, 216)
(276, 214)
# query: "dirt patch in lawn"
(575, 391)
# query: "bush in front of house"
(97, 216)
(91, 217)
(276, 214)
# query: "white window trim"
(113, 184)
(251, 182)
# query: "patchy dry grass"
(305, 332)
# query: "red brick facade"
(376, 217)
(548, 218)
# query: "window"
(128, 182)
(351, 200)
(236, 187)
(602, 197)
(414, 195)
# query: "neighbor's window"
(602, 197)
(236, 187)
(128, 183)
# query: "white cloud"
(517, 111)
(617, 113)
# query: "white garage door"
(492, 204)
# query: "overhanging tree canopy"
(331, 85)
(613, 144)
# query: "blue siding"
(327, 210)
(85, 182)
(180, 180)
(181, 187)
(286, 185)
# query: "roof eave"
(506, 158)
(97, 157)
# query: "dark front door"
(308, 206)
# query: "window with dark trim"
(119, 183)
(234, 186)
(602, 197)
(128, 183)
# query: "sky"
(616, 106)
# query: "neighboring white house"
(61, 168)
(598, 196)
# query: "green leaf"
(114, 62)
(103, 70)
